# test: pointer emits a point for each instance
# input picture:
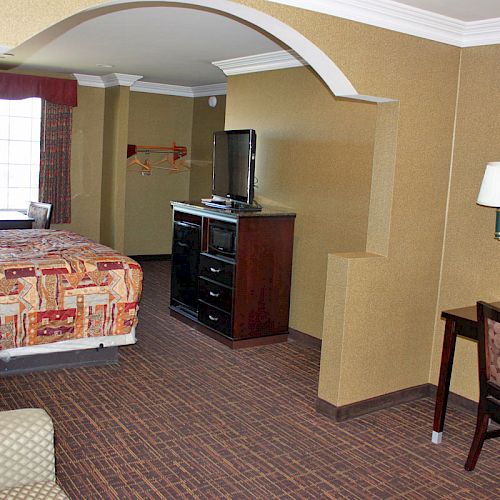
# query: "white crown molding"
(116, 79)
(268, 61)
(89, 80)
(209, 90)
(122, 79)
(162, 88)
(485, 32)
(106, 81)
(406, 19)
(179, 90)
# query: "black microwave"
(222, 238)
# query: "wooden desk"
(461, 322)
(10, 219)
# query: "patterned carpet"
(183, 416)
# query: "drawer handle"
(215, 270)
(213, 318)
(213, 294)
(181, 244)
(186, 224)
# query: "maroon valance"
(55, 90)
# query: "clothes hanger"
(147, 166)
(178, 152)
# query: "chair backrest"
(488, 319)
(42, 213)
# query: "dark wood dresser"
(231, 272)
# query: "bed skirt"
(65, 354)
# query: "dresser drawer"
(217, 295)
(214, 318)
(217, 270)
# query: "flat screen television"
(234, 165)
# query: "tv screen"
(234, 164)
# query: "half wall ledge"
(337, 329)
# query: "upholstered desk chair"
(42, 213)
(27, 463)
(488, 330)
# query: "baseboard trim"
(160, 256)
(353, 410)
(304, 339)
(456, 400)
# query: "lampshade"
(489, 194)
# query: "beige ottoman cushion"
(26, 447)
(47, 490)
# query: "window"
(19, 152)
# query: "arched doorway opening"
(323, 66)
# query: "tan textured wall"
(155, 120)
(314, 155)
(17, 26)
(115, 134)
(86, 164)
(390, 303)
(206, 121)
(471, 265)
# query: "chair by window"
(42, 213)
(488, 329)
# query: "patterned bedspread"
(56, 285)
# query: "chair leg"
(478, 440)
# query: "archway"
(326, 69)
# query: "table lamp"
(489, 194)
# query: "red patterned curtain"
(55, 160)
(56, 90)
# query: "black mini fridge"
(186, 246)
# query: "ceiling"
(168, 45)
(463, 10)
(177, 45)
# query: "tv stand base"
(232, 343)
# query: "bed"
(62, 292)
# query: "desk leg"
(449, 342)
